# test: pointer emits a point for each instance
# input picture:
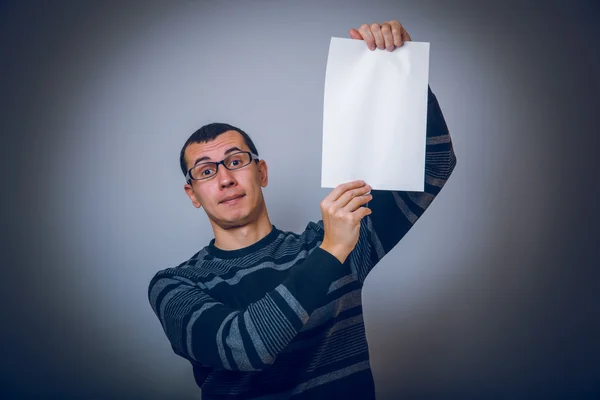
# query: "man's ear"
(263, 171)
(190, 192)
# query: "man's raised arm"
(395, 212)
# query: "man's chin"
(232, 222)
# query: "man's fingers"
(349, 195)
(396, 33)
(386, 31)
(405, 36)
(362, 212)
(379, 41)
(354, 34)
(399, 33)
(367, 35)
(357, 202)
(341, 189)
(388, 35)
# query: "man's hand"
(342, 213)
(389, 35)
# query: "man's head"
(214, 143)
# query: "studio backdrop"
(487, 296)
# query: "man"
(262, 313)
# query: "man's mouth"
(232, 199)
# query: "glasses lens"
(204, 170)
(237, 160)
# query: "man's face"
(244, 184)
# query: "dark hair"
(210, 132)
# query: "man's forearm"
(202, 329)
(440, 159)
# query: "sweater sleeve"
(209, 332)
(395, 212)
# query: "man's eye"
(234, 163)
(205, 170)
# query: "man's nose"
(225, 177)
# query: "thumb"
(355, 35)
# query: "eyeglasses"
(206, 170)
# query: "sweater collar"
(227, 254)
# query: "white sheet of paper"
(375, 115)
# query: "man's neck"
(243, 236)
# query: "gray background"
(491, 295)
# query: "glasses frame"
(190, 178)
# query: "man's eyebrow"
(232, 150)
(205, 158)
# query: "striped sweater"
(282, 318)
